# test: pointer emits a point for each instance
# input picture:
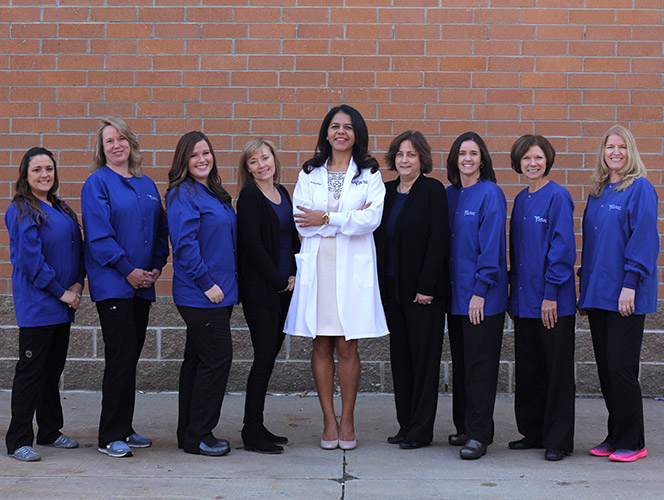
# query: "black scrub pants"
(42, 356)
(208, 354)
(123, 326)
(481, 359)
(266, 328)
(617, 344)
(545, 391)
(416, 342)
(458, 373)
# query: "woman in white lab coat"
(338, 203)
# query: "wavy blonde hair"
(135, 155)
(633, 169)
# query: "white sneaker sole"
(115, 455)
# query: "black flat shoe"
(273, 437)
(472, 450)
(523, 444)
(412, 445)
(554, 455)
(396, 439)
(457, 439)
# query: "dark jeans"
(42, 356)
(481, 359)
(545, 391)
(123, 326)
(207, 361)
(266, 327)
(617, 344)
(416, 342)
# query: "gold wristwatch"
(326, 218)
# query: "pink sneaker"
(602, 450)
(628, 455)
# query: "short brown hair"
(524, 143)
(421, 147)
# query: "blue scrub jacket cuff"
(124, 267)
(631, 279)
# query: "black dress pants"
(458, 373)
(481, 358)
(617, 344)
(266, 328)
(42, 356)
(416, 342)
(123, 326)
(208, 354)
(545, 392)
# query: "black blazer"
(258, 247)
(422, 238)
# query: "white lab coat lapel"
(350, 173)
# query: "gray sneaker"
(27, 454)
(116, 449)
(64, 442)
(138, 441)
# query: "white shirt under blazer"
(358, 297)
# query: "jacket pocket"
(363, 270)
(305, 263)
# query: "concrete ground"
(375, 470)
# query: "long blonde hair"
(633, 169)
(135, 155)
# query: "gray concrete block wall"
(159, 366)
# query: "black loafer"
(396, 439)
(523, 444)
(472, 450)
(412, 445)
(457, 439)
(554, 455)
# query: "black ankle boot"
(259, 442)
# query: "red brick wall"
(566, 69)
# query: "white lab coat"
(358, 297)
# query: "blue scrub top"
(203, 232)
(47, 259)
(125, 228)
(620, 248)
(542, 252)
(478, 263)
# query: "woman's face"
(615, 153)
(407, 161)
(200, 162)
(116, 147)
(340, 133)
(533, 164)
(41, 175)
(261, 164)
(469, 161)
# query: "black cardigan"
(258, 247)
(422, 239)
